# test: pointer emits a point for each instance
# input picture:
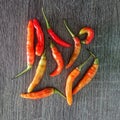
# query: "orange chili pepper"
(77, 47)
(91, 72)
(46, 92)
(39, 73)
(29, 48)
(90, 35)
(59, 60)
(70, 79)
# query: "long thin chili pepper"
(70, 79)
(40, 37)
(77, 47)
(90, 34)
(91, 72)
(39, 73)
(46, 92)
(29, 48)
(59, 60)
(53, 35)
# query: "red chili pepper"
(77, 47)
(39, 73)
(70, 79)
(29, 48)
(40, 37)
(91, 72)
(90, 34)
(53, 35)
(46, 92)
(59, 60)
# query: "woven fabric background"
(100, 100)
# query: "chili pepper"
(91, 72)
(77, 47)
(29, 48)
(39, 73)
(70, 79)
(40, 37)
(46, 92)
(53, 35)
(90, 34)
(59, 60)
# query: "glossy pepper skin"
(69, 82)
(46, 92)
(39, 49)
(91, 72)
(59, 60)
(90, 35)
(53, 35)
(30, 44)
(29, 48)
(77, 47)
(39, 73)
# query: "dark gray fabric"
(100, 100)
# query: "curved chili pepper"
(91, 72)
(53, 35)
(46, 92)
(59, 60)
(70, 79)
(40, 37)
(39, 73)
(77, 47)
(90, 34)
(29, 48)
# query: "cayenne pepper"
(39, 73)
(40, 37)
(58, 58)
(53, 35)
(91, 72)
(90, 34)
(70, 79)
(77, 47)
(29, 48)
(46, 92)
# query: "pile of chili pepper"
(35, 26)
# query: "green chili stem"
(91, 53)
(58, 92)
(83, 42)
(51, 44)
(47, 23)
(96, 61)
(44, 53)
(80, 66)
(24, 71)
(71, 33)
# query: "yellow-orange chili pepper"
(39, 73)
(77, 47)
(70, 79)
(91, 72)
(46, 92)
